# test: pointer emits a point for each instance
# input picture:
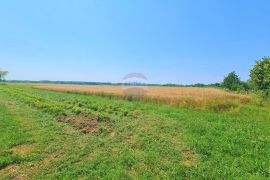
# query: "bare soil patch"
(89, 127)
(86, 124)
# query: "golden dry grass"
(211, 98)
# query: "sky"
(169, 41)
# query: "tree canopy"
(232, 81)
(260, 74)
(3, 74)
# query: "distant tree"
(232, 81)
(199, 85)
(216, 84)
(260, 75)
(3, 74)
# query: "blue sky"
(170, 41)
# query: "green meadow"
(58, 135)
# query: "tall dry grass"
(200, 98)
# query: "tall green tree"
(232, 81)
(260, 74)
(3, 74)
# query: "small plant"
(102, 128)
(103, 118)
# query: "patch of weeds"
(103, 118)
(222, 107)
(135, 113)
(102, 128)
(77, 110)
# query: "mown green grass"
(10, 136)
(140, 140)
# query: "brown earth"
(85, 124)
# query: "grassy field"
(59, 135)
(189, 97)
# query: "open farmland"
(201, 98)
(134, 90)
(59, 135)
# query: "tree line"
(259, 79)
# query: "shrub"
(242, 87)
(264, 93)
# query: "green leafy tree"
(3, 74)
(260, 75)
(232, 82)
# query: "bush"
(264, 93)
(242, 87)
